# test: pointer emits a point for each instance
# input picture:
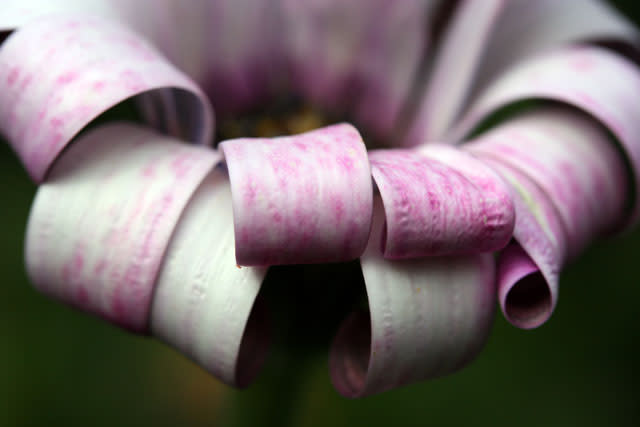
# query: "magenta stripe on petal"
(99, 226)
(428, 318)
(300, 199)
(91, 65)
(440, 201)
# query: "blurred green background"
(58, 366)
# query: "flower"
(137, 228)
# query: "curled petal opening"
(523, 292)
(350, 352)
(540, 234)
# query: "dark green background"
(60, 366)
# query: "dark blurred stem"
(307, 303)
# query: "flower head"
(175, 240)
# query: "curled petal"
(100, 225)
(580, 76)
(203, 302)
(59, 73)
(428, 317)
(300, 199)
(573, 160)
(440, 201)
(540, 233)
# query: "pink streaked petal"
(58, 74)
(203, 302)
(440, 201)
(242, 50)
(539, 232)
(571, 157)
(300, 199)
(360, 57)
(455, 66)
(428, 318)
(580, 76)
(386, 64)
(99, 226)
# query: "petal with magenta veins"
(440, 201)
(428, 318)
(99, 226)
(58, 74)
(571, 157)
(204, 305)
(540, 235)
(300, 199)
(580, 76)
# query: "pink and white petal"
(244, 53)
(203, 302)
(358, 57)
(540, 234)
(99, 226)
(299, 199)
(58, 74)
(580, 76)
(386, 64)
(575, 162)
(440, 201)
(455, 67)
(428, 318)
(526, 28)
(323, 37)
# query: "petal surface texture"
(203, 301)
(305, 198)
(100, 225)
(428, 317)
(441, 201)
